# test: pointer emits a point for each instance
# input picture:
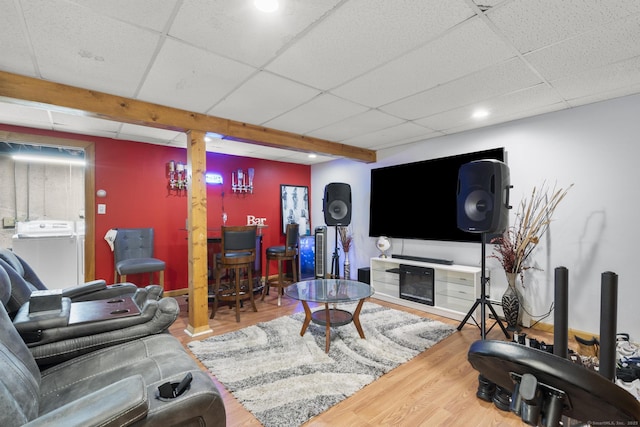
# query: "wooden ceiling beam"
(44, 94)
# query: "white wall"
(596, 147)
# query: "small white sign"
(252, 220)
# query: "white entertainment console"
(456, 287)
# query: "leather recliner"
(116, 386)
(56, 329)
(25, 281)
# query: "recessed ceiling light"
(480, 114)
(267, 6)
(210, 136)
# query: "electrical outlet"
(8, 222)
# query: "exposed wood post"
(197, 231)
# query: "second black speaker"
(483, 196)
(337, 204)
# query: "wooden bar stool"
(238, 252)
(286, 252)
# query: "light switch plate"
(102, 209)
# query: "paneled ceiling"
(365, 73)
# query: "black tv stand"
(423, 259)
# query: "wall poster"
(294, 201)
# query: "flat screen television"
(419, 200)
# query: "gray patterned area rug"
(285, 379)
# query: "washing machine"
(50, 248)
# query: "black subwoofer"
(483, 196)
(364, 275)
(337, 204)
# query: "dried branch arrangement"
(345, 238)
(534, 215)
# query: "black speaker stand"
(335, 260)
(483, 302)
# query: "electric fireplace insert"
(417, 284)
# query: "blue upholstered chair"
(133, 254)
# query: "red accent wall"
(134, 176)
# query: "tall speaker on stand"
(337, 212)
(483, 207)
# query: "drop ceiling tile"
(303, 158)
(190, 78)
(509, 104)
(235, 29)
(603, 96)
(213, 145)
(509, 117)
(489, 3)
(493, 81)
(392, 136)
(533, 24)
(278, 154)
(84, 123)
(267, 151)
(363, 34)
(369, 121)
(590, 50)
(263, 97)
(236, 148)
(177, 142)
(77, 46)
(149, 132)
(180, 139)
(319, 112)
(19, 115)
(15, 48)
(467, 48)
(151, 14)
(600, 81)
(94, 132)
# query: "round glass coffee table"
(330, 291)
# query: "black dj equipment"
(364, 275)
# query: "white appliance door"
(53, 259)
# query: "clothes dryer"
(50, 248)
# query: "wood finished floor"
(436, 388)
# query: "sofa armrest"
(109, 291)
(49, 300)
(119, 404)
(26, 322)
(85, 288)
